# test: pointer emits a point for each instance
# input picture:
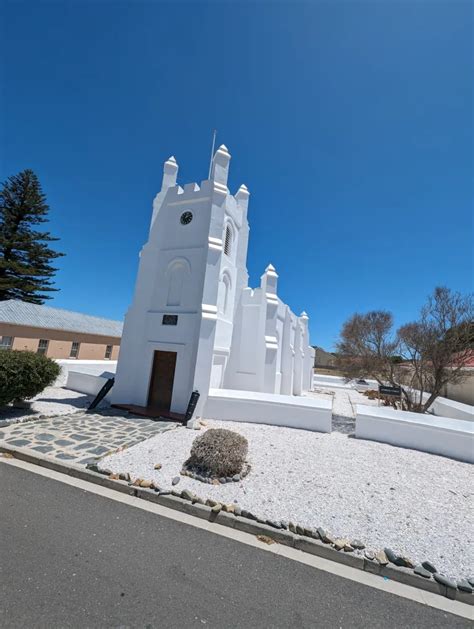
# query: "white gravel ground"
(52, 401)
(418, 504)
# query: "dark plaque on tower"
(170, 320)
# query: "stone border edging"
(281, 536)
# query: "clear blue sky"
(350, 123)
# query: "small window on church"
(228, 241)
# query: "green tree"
(25, 257)
(24, 375)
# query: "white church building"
(195, 324)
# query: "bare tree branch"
(422, 357)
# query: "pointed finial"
(170, 172)
(242, 196)
(220, 166)
(223, 153)
(270, 271)
(170, 166)
(304, 315)
(243, 191)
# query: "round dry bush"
(218, 452)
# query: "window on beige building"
(108, 352)
(6, 342)
(42, 346)
(74, 349)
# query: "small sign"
(193, 400)
(170, 320)
(388, 390)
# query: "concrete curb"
(305, 544)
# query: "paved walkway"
(344, 403)
(81, 437)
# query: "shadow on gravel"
(78, 402)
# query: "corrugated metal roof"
(19, 312)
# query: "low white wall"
(338, 382)
(94, 367)
(331, 382)
(329, 379)
(438, 435)
(85, 382)
(443, 407)
(269, 408)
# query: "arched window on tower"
(224, 294)
(228, 241)
(177, 274)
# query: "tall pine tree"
(25, 257)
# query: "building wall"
(270, 347)
(92, 347)
(224, 335)
(173, 266)
(323, 359)
(463, 392)
(439, 435)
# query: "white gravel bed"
(51, 401)
(416, 503)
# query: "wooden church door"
(161, 381)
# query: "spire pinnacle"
(220, 166)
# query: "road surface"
(71, 558)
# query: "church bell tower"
(178, 329)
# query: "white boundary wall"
(438, 435)
(269, 408)
(449, 408)
(441, 407)
(85, 382)
(334, 382)
(338, 382)
(93, 367)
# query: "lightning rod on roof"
(212, 151)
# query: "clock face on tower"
(186, 218)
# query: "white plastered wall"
(227, 335)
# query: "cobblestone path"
(82, 437)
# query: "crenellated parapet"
(214, 189)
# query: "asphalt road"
(70, 558)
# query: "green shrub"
(218, 452)
(24, 374)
